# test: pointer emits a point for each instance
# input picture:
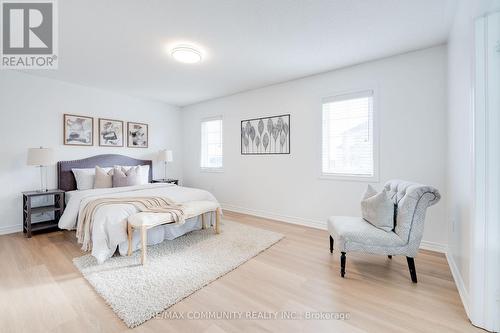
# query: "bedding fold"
(151, 204)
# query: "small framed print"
(78, 130)
(110, 133)
(137, 135)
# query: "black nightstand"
(171, 181)
(57, 207)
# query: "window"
(211, 143)
(348, 135)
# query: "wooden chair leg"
(411, 267)
(129, 234)
(144, 244)
(203, 223)
(331, 244)
(217, 221)
(342, 264)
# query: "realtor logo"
(29, 34)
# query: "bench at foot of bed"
(144, 221)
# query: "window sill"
(350, 178)
(212, 170)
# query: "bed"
(109, 229)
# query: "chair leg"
(411, 267)
(129, 235)
(203, 224)
(217, 221)
(144, 244)
(389, 256)
(342, 264)
(331, 244)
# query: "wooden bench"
(144, 221)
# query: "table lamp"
(41, 157)
(165, 156)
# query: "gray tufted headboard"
(66, 179)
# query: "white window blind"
(348, 140)
(211, 143)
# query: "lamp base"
(42, 185)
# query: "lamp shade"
(40, 156)
(166, 156)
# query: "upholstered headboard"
(66, 179)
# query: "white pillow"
(378, 209)
(143, 172)
(85, 178)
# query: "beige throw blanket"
(143, 204)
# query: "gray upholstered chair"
(410, 204)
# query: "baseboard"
(275, 216)
(10, 229)
(432, 246)
(459, 282)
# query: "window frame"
(376, 140)
(211, 169)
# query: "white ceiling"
(119, 45)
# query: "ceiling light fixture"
(186, 54)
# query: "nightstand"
(57, 207)
(171, 181)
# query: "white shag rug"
(174, 269)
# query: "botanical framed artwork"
(137, 135)
(110, 132)
(268, 135)
(78, 130)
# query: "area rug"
(174, 269)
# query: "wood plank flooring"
(41, 290)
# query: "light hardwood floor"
(41, 290)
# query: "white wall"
(32, 109)
(412, 108)
(460, 139)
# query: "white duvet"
(109, 230)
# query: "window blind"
(347, 138)
(211, 143)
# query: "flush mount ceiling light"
(186, 54)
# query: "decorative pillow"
(84, 178)
(123, 177)
(144, 171)
(369, 192)
(378, 209)
(103, 178)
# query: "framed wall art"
(137, 135)
(78, 130)
(268, 135)
(110, 133)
